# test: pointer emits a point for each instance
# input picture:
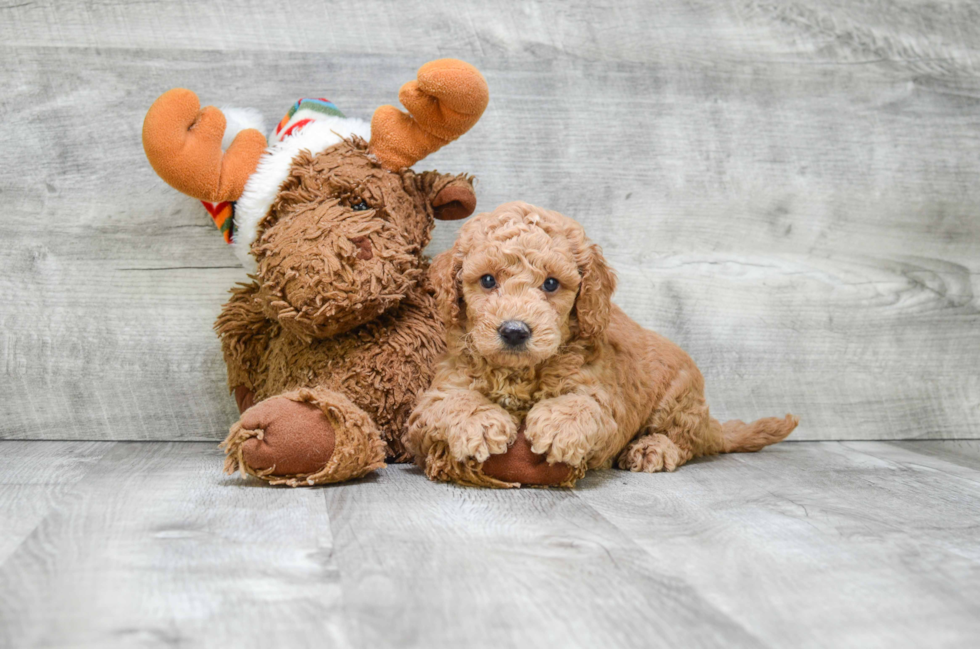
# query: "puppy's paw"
(565, 429)
(489, 431)
(652, 454)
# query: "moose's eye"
(550, 285)
(487, 281)
(359, 205)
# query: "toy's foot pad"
(295, 437)
(307, 437)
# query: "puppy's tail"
(740, 437)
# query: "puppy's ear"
(594, 301)
(444, 275)
(452, 197)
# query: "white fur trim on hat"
(263, 185)
(237, 120)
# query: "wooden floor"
(131, 544)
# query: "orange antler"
(183, 144)
(446, 101)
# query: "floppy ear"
(444, 275)
(452, 197)
(594, 301)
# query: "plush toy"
(335, 337)
(545, 377)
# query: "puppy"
(534, 339)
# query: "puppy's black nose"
(514, 333)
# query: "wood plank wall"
(791, 191)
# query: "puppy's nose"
(514, 333)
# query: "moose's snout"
(364, 250)
(514, 333)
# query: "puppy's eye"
(550, 285)
(358, 205)
(488, 282)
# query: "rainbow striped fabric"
(223, 215)
(302, 113)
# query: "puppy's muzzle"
(514, 333)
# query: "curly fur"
(591, 385)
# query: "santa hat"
(238, 180)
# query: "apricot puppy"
(533, 338)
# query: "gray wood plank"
(628, 30)
(863, 544)
(152, 547)
(788, 191)
(433, 565)
(858, 544)
(962, 452)
(34, 477)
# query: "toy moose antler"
(446, 101)
(336, 335)
(183, 144)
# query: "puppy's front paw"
(565, 429)
(489, 431)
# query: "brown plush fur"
(340, 315)
(591, 386)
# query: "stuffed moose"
(335, 337)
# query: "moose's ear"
(455, 201)
(452, 197)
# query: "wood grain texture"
(789, 191)
(449, 566)
(852, 544)
(152, 547)
(34, 477)
(827, 544)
